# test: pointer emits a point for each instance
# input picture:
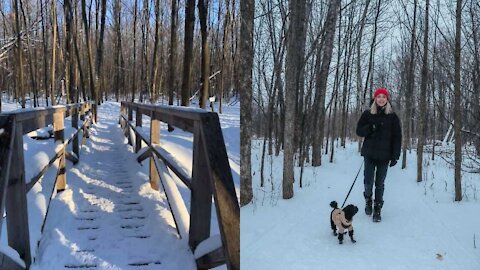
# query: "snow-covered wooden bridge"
(124, 201)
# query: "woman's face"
(381, 100)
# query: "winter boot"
(368, 205)
(377, 211)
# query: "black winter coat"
(383, 135)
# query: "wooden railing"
(13, 188)
(211, 175)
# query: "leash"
(353, 184)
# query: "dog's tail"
(334, 204)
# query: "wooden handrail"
(13, 188)
(211, 174)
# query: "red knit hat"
(381, 90)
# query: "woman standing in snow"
(382, 133)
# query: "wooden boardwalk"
(114, 213)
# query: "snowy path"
(109, 217)
(421, 228)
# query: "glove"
(393, 162)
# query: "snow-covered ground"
(109, 217)
(422, 227)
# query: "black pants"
(375, 172)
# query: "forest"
(57, 52)
(316, 65)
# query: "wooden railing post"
(122, 112)
(154, 140)
(75, 146)
(130, 113)
(94, 110)
(138, 123)
(16, 204)
(58, 133)
(221, 180)
(82, 111)
(201, 198)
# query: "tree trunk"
(155, 49)
(202, 13)
(247, 12)
(321, 76)
(423, 99)
(457, 104)
(89, 52)
(173, 52)
(134, 75)
(188, 52)
(409, 93)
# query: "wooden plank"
(154, 140)
(7, 139)
(144, 155)
(226, 202)
(71, 156)
(58, 133)
(182, 112)
(201, 193)
(41, 121)
(211, 260)
(138, 123)
(178, 172)
(8, 264)
(16, 202)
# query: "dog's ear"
(355, 210)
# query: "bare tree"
(247, 11)
(423, 99)
(409, 93)
(457, 111)
(321, 81)
(188, 52)
(202, 13)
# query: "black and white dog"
(342, 219)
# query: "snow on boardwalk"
(109, 217)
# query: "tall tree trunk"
(423, 99)
(134, 75)
(19, 66)
(202, 13)
(83, 84)
(409, 93)
(54, 46)
(99, 60)
(155, 52)
(69, 60)
(226, 25)
(457, 104)
(321, 76)
(247, 11)
(173, 53)
(188, 51)
(117, 10)
(89, 52)
(294, 56)
(45, 52)
(372, 57)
